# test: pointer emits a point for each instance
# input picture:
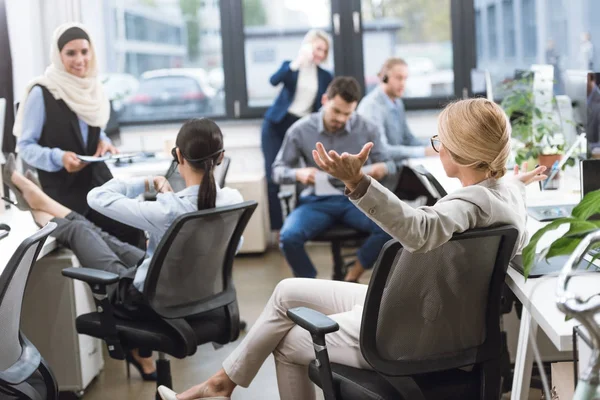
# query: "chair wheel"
(243, 325)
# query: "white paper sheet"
(323, 187)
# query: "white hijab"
(84, 96)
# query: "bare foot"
(33, 195)
(147, 363)
(354, 273)
(217, 385)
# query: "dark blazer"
(289, 78)
(62, 130)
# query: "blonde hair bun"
(476, 133)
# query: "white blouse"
(306, 91)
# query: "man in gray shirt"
(338, 128)
(384, 107)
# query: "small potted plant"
(538, 137)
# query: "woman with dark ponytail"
(199, 148)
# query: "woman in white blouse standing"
(303, 84)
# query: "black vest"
(62, 131)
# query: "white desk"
(50, 307)
(22, 226)
(538, 295)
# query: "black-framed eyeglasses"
(436, 143)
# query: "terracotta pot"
(548, 160)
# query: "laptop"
(551, 266)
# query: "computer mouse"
(4, 227)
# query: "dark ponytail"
(200, 142)
(207, 194)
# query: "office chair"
(340, 236)
(416, 181)
(221, 171)
(23, 372)
(189, 286)
(426, 317)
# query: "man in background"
(384, 107)
(339, 128)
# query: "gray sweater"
(487, 204)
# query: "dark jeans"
(314, 215)
(96, 249)
(271, 139)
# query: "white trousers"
(291, 345)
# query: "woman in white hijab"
(62, 116)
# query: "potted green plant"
(538, 135)
(579, 223)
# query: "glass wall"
(417, 31)
(273, 32)
(170, 60)
(164, 59)
(515, 34)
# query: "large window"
(492, 31)
(418, 31)
(508, 21)
(170, 60)
(273, 32)
(164, 59)
(529, 28)
(561, 33)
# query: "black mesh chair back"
(191, 270)
(438, 310)
(19, 359)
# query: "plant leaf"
(588, 206)
(529, 250)
(563, 247)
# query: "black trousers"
(96, 249)
(124, 233)
(272, 136)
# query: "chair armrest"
(98, 281)
(313, 321)
(91, 276)
(318, 325)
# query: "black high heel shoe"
(129, 360)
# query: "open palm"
(345, 167)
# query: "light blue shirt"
(390, 117)
(44, 158)
(119, 199)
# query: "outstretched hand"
(346, 167)
(536, 175)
